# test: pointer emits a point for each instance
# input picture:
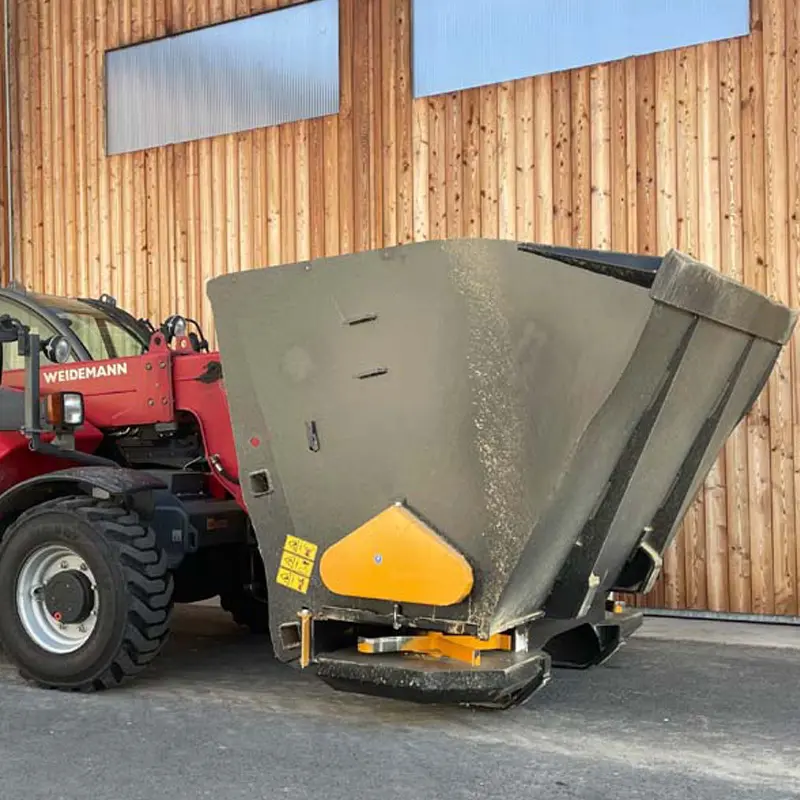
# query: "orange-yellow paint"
(305, 637)
(437, 645)
(397, 557)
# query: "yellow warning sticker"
(300, 547)
(292, 581)
(297, 564)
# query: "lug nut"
(82, 628)
(64, 564)
(84, 567)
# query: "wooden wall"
(698, 149)
(4, 239)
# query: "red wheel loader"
(424, 471)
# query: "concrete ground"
(686, 710)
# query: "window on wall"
(461, 44)
(281, 66)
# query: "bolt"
(82, 628)
(84, 567)
(64, 564)
(148, 366)
(164, 401)
(151, 402)
(162, 364)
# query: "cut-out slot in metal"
(260, 483)
(290, 635)
(375, 372)
(312, 434)
(360, 319)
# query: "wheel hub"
(57, 599)
(68, 597)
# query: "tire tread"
(149, 586)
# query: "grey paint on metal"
(517, 410)
(264, 70)
(460, 44)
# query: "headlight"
(73, 409)
(57, 350)
(175, 326)
(64, 409)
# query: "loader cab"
(94, 329)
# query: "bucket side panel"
(457, 376)
(587, 473)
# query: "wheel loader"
(426, 472)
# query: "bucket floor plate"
(501, 681)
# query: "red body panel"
(18, 463)
(141, 390)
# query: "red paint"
(255, 442)
(153, 388)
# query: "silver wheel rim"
(48, 632)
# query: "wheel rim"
(57, 599)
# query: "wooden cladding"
(696, 148)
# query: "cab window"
(11, 358)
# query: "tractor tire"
(246, 610)
(100, 567)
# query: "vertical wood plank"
(75, 169)
(488, 162)
(47, 282)
(454, 162)
(506, 162)
(562, 158)
(777, 252)
(420, 168)
(376, 99)
(347, 236)
(388, 87)
(600, 156)
(26, 85)
(716, 522)
(362, 194)
(543, 159)
(737, 560)
(581, 160)
(689, 547)
(438, 167)
(755, 270)
(618, 156)
(793, 159)
(471, 116)
(405, 188)
(666, 226)
(94, 205)
(111, 169)
(316, 188)
(525, 161)
(632, 149)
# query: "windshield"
(101, 335)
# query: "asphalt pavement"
(217, 717)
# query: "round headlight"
(175, 326)
(57, 350)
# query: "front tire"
(100, 612)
